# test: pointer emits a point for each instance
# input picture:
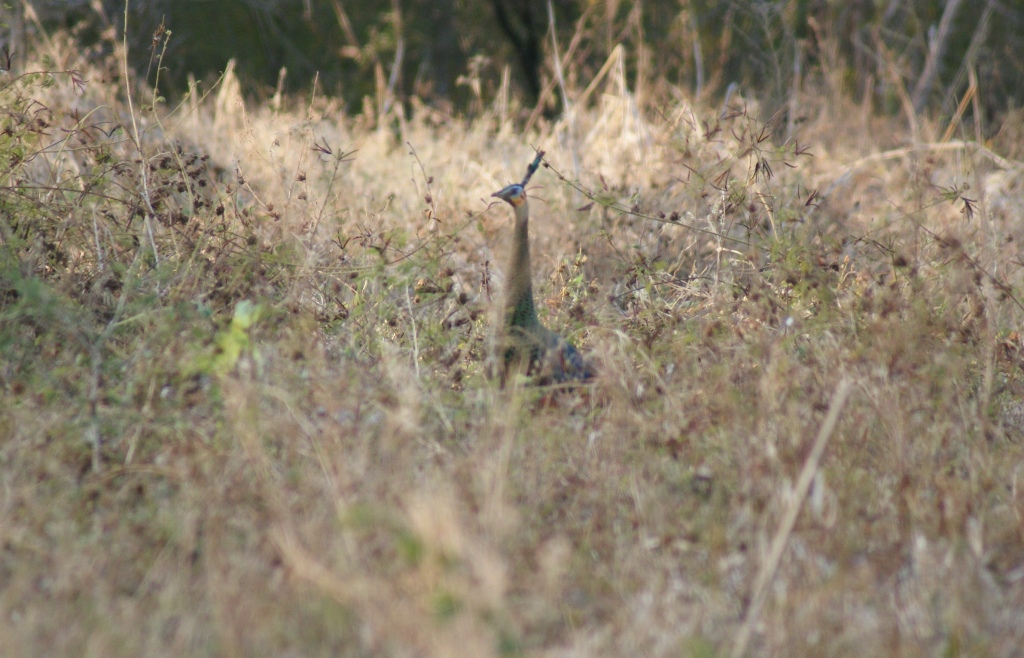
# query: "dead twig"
(803, 485)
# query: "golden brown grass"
(326, 469)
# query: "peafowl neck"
(519, 308)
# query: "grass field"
(246, 405)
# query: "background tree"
(876, 52)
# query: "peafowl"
(528, 346)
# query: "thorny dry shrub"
(245, 405)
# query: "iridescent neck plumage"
(519, 307)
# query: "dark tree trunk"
(523, 22)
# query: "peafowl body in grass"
(528, 346)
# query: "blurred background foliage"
(453, 54)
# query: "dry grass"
(327, 470)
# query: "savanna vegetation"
(246, 345)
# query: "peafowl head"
(515, 194)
